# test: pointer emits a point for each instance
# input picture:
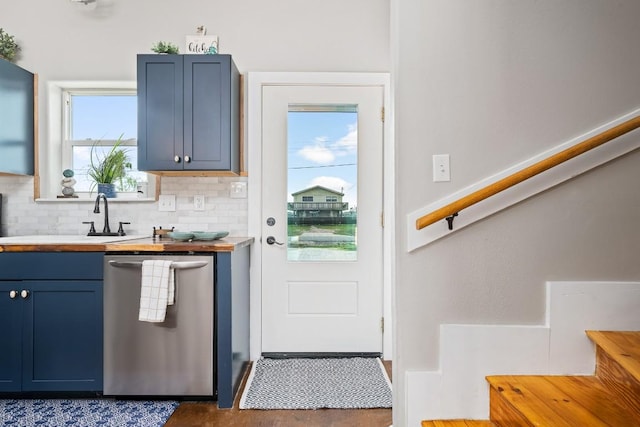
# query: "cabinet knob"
(24, 294)
(13, 294)
(187, 159)
(176, 159)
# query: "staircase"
(610, 398)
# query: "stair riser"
(614, 376)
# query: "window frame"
(56, 154)
(68, 144)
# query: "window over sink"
(86, 117)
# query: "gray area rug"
(340, 383)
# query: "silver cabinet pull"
(187, 159)
(183, 265)
(176, 159)
(13, 294)
(24, 294)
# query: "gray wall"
(494, 82)
(62, 40)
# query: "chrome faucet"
(106, 231)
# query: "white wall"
(61, 40)
(492, 83)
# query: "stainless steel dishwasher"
(172, 358)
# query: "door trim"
(253, 94)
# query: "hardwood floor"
(207, 414)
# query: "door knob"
(13, 294)
(271, 240)
(24, 294)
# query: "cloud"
(332, 183)
(348, 144)
(323, 153)
(318, 152)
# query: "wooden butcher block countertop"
(63, 243)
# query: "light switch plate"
(441, 168)
(167, 203)
(238, 190)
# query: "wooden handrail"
(528, 172)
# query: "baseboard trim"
(307, 355)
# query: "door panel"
(322, 206)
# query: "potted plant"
(165, 47)
(109, 169)
(8, 46)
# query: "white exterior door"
(322, 199)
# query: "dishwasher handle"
(183, 265)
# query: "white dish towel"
(157, 290)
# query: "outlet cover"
(198, 202)
(167, 203)
(238, 190)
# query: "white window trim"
(51, 162)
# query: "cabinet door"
(16, 119)
(208, 113)
(10, 337)
(62, 344)
(160, 112)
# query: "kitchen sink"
(53, 239)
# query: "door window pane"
(322, 202)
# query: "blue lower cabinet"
(50, 331)
(62, 345)
(10, 336)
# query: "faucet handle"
(92, 229)
(121, 230)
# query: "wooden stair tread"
(621, 346)
(558, 401)
(458, 423)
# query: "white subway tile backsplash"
(22, 216)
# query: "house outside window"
(305, 207)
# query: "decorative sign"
(202, 44)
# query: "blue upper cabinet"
(16, 119)
(188, 113)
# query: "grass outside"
(338, 229)
(342, 229)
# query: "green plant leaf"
(109, 168)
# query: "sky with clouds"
(323, 151)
